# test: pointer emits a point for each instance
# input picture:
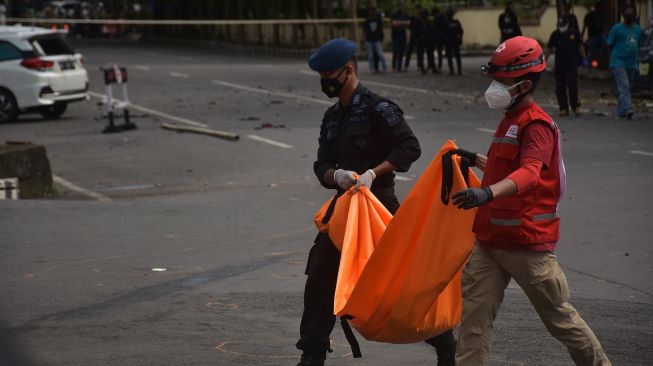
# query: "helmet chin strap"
(519, 98)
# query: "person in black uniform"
(366, 135)
(416, 34)
(400, 21)
(439, 25)
(453, 39)
(567, 44)
(509, 24)
(427, 44)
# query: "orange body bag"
(399, 277)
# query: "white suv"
(39, 71)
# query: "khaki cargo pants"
(485, 278)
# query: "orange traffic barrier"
(399, 277)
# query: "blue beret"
(332, 55)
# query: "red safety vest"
(528, 217)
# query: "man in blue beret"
(366, 136)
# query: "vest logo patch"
(512, 131)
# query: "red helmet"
(516, 57)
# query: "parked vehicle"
(39, 71)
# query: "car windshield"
(52, 45)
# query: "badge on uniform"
(388, 112)
(512, 131)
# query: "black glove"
(472, 197)
(471, 156)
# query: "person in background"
(3, 13)
(453, 39)
(426, 44)
(567, 44)
(624, 40)
(439, 24)
(508, 23)
(400, 22)
(373, 28)
(416, 34)
(594, 24)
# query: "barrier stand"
(9, 189)
(116, 75)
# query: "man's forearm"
(503, 188)
(328, 177)
(384, 168)
(481, 161)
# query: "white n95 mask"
(498, 95)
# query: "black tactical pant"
(567, 78)
(318, 319)
(453, 50)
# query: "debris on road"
(200, 130)
(268, 125)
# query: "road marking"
(178, 75)
(638, 152)
(268, 141)
(142, 67)
(153, 112)
(128, 188)
(485, 130)
(402, 178)
(406, 88)
(272, 92)
(78, 189)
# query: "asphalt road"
(231, 222)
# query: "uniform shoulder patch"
(389, 112)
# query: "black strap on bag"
(447, 174)
(351, 338)
(332, 207)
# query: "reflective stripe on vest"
(546, 216)
(517, 222)
(506, 140)
(503, 222)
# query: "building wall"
(482, 25)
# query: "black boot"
(445, 347)
(312, 359)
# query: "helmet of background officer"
(563, 24)
(629, 15)
(336, 62)
(515, 66)
(450, 12)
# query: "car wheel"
(53, 111)
(8, 106)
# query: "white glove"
(366, 179)
(345, 179)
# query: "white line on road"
(142, 67)
(271, 142)
(178, 75)
(272, 92)
(405, 88)
(638, 152)
(485, 130)
(402, 178)
(78, 189)
(156, 113)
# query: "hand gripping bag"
(399, 277)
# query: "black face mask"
(331, 86)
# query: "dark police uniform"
(567, 57)
(453, 39)
(357, 137)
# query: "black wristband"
(489, 193)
